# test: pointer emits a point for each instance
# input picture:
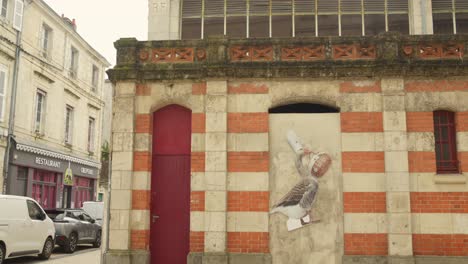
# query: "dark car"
(73, 227)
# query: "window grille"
(450, 16)
(445, 142)
(291, 18)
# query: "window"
(18, 15)
(4, 10)
(450, 16)
(44, 188)
(290, 18)
(34, 211)
(91, 125)
(74, 62)
(95, 78)
(445, 142)
(46, 41)
(40, 112)
(3, 87)
(68, 124)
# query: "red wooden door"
(170, 185)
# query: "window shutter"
(260, 7)
(374, 6)
(214, 7)
(18, 15)
(304, 6)
(461, 4)
(350, 5)
(236, 7)
(281, 7)
(327, 6)
(397, 6)
(191, 8)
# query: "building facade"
(212, 134)
(58, 79)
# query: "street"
(84, 254)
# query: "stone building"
(204, 129)
(55, 132)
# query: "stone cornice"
(388, 54)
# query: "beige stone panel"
(121, 180)
(215, 201)
(426, 182)
(198, 142)
(197, 180)
(216, 161)
(216, 141)
(394, 121)
(398, 202)
(121, 199)
(216, 122)
(216, 87)
(140, 220)
(248, 142)
(396, 141)
(119, 239)
(197, 221)
(141, 180)
(197, 103)
(361, 102)
(123, 105)
(392, 86)
(248, 181)
(398, 181)
(119, 220)
(215, 181)
(143, 104)
(216, 103)
(363, 223)
(430, 223)
(400, 223)
(362, 141)
(124, 88)
(142, 142)
(394, 103)
(462, 141)
(215, 221)
(421, 141)
(122, 122)
(247, 222)
(396, 161)
(248, 103)
(460, 223)
(122, 141)
(364, 182)
(287, 92)
(400, 245)
(430, 101)
(122, 161)
(215, 242)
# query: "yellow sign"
(68, 177)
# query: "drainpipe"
(11, 120)
(108, 198)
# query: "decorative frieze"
(251, 53)
(435, 51)
(306, 53)
(354, 51)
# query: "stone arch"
(324, 102)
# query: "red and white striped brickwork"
(439, 203)
(363, 166)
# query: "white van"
(25, 229)
(95, 210)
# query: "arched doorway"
(293, 129)
(170, 185)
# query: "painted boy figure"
(297, 203)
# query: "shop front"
(53, 179)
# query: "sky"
(102, 22)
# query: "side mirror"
(43, 217)
(92, 221)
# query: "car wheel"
(70, 247)
(47, 250)
(97, 242)
(2, 254)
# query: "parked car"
(25, 229)
(73, 227)
(95, 210)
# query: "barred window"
(291, 18)
(450, 16)
(445, 142)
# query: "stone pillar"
(122, 167)
(164, 19)
(216, 169)
(420, 17)
(396, 169)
